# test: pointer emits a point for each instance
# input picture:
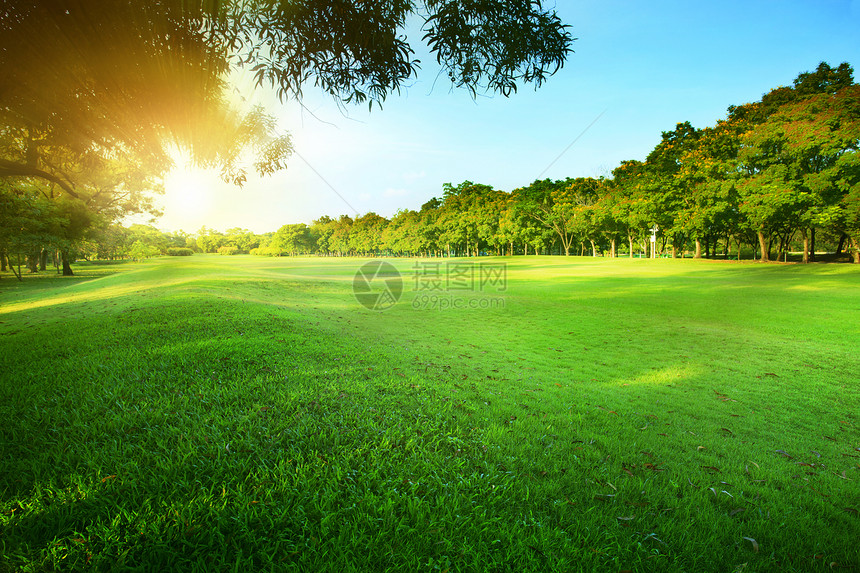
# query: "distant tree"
(243, 239)
(664, 190)
(293, 239)
(466, 217)
(140, 251)
(402, 233)
(365, 236)
(339, 240)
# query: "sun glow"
(189, 196)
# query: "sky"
(638, 69)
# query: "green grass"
(239, 413)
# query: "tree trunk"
(12, 267)
(812, 245)
(43, 260)
(841, 244)
(855, 250)
(698, 254)
(593, 249)
(630, 238)
(3, 260)
(612, 248)
(67, 268)
(805, 236)
(762, 244)
(33, 262)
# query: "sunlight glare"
(188, 196)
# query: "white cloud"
(411, 176)
(392, 192)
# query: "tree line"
(778, 174)
(774, 175)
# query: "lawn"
(241, 413)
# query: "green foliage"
(267, 252)
(140, 251)
(228, 250)
(179, 252)
(293, 239)
(480, 45)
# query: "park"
(581, 297)
(249, 413)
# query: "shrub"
(267, 252)
(228, 250)
(179, 252)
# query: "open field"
(237, 413)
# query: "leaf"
(784, 453)
(712, 469)
(753, 542)
(626, 518)
(736, 511)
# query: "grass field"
(236, 413)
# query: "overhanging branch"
(12, 169)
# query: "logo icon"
(377, 285)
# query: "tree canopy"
(93, 96)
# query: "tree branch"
(12, 169)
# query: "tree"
(293, 239)
(666, 189)
(341, 229)
(800, 163)
(366, 234)
(551, 204)
(402, 233)
(468, 216)
(128, 75)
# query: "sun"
(185, 190)
(188, 197)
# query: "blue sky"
(638, 69)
